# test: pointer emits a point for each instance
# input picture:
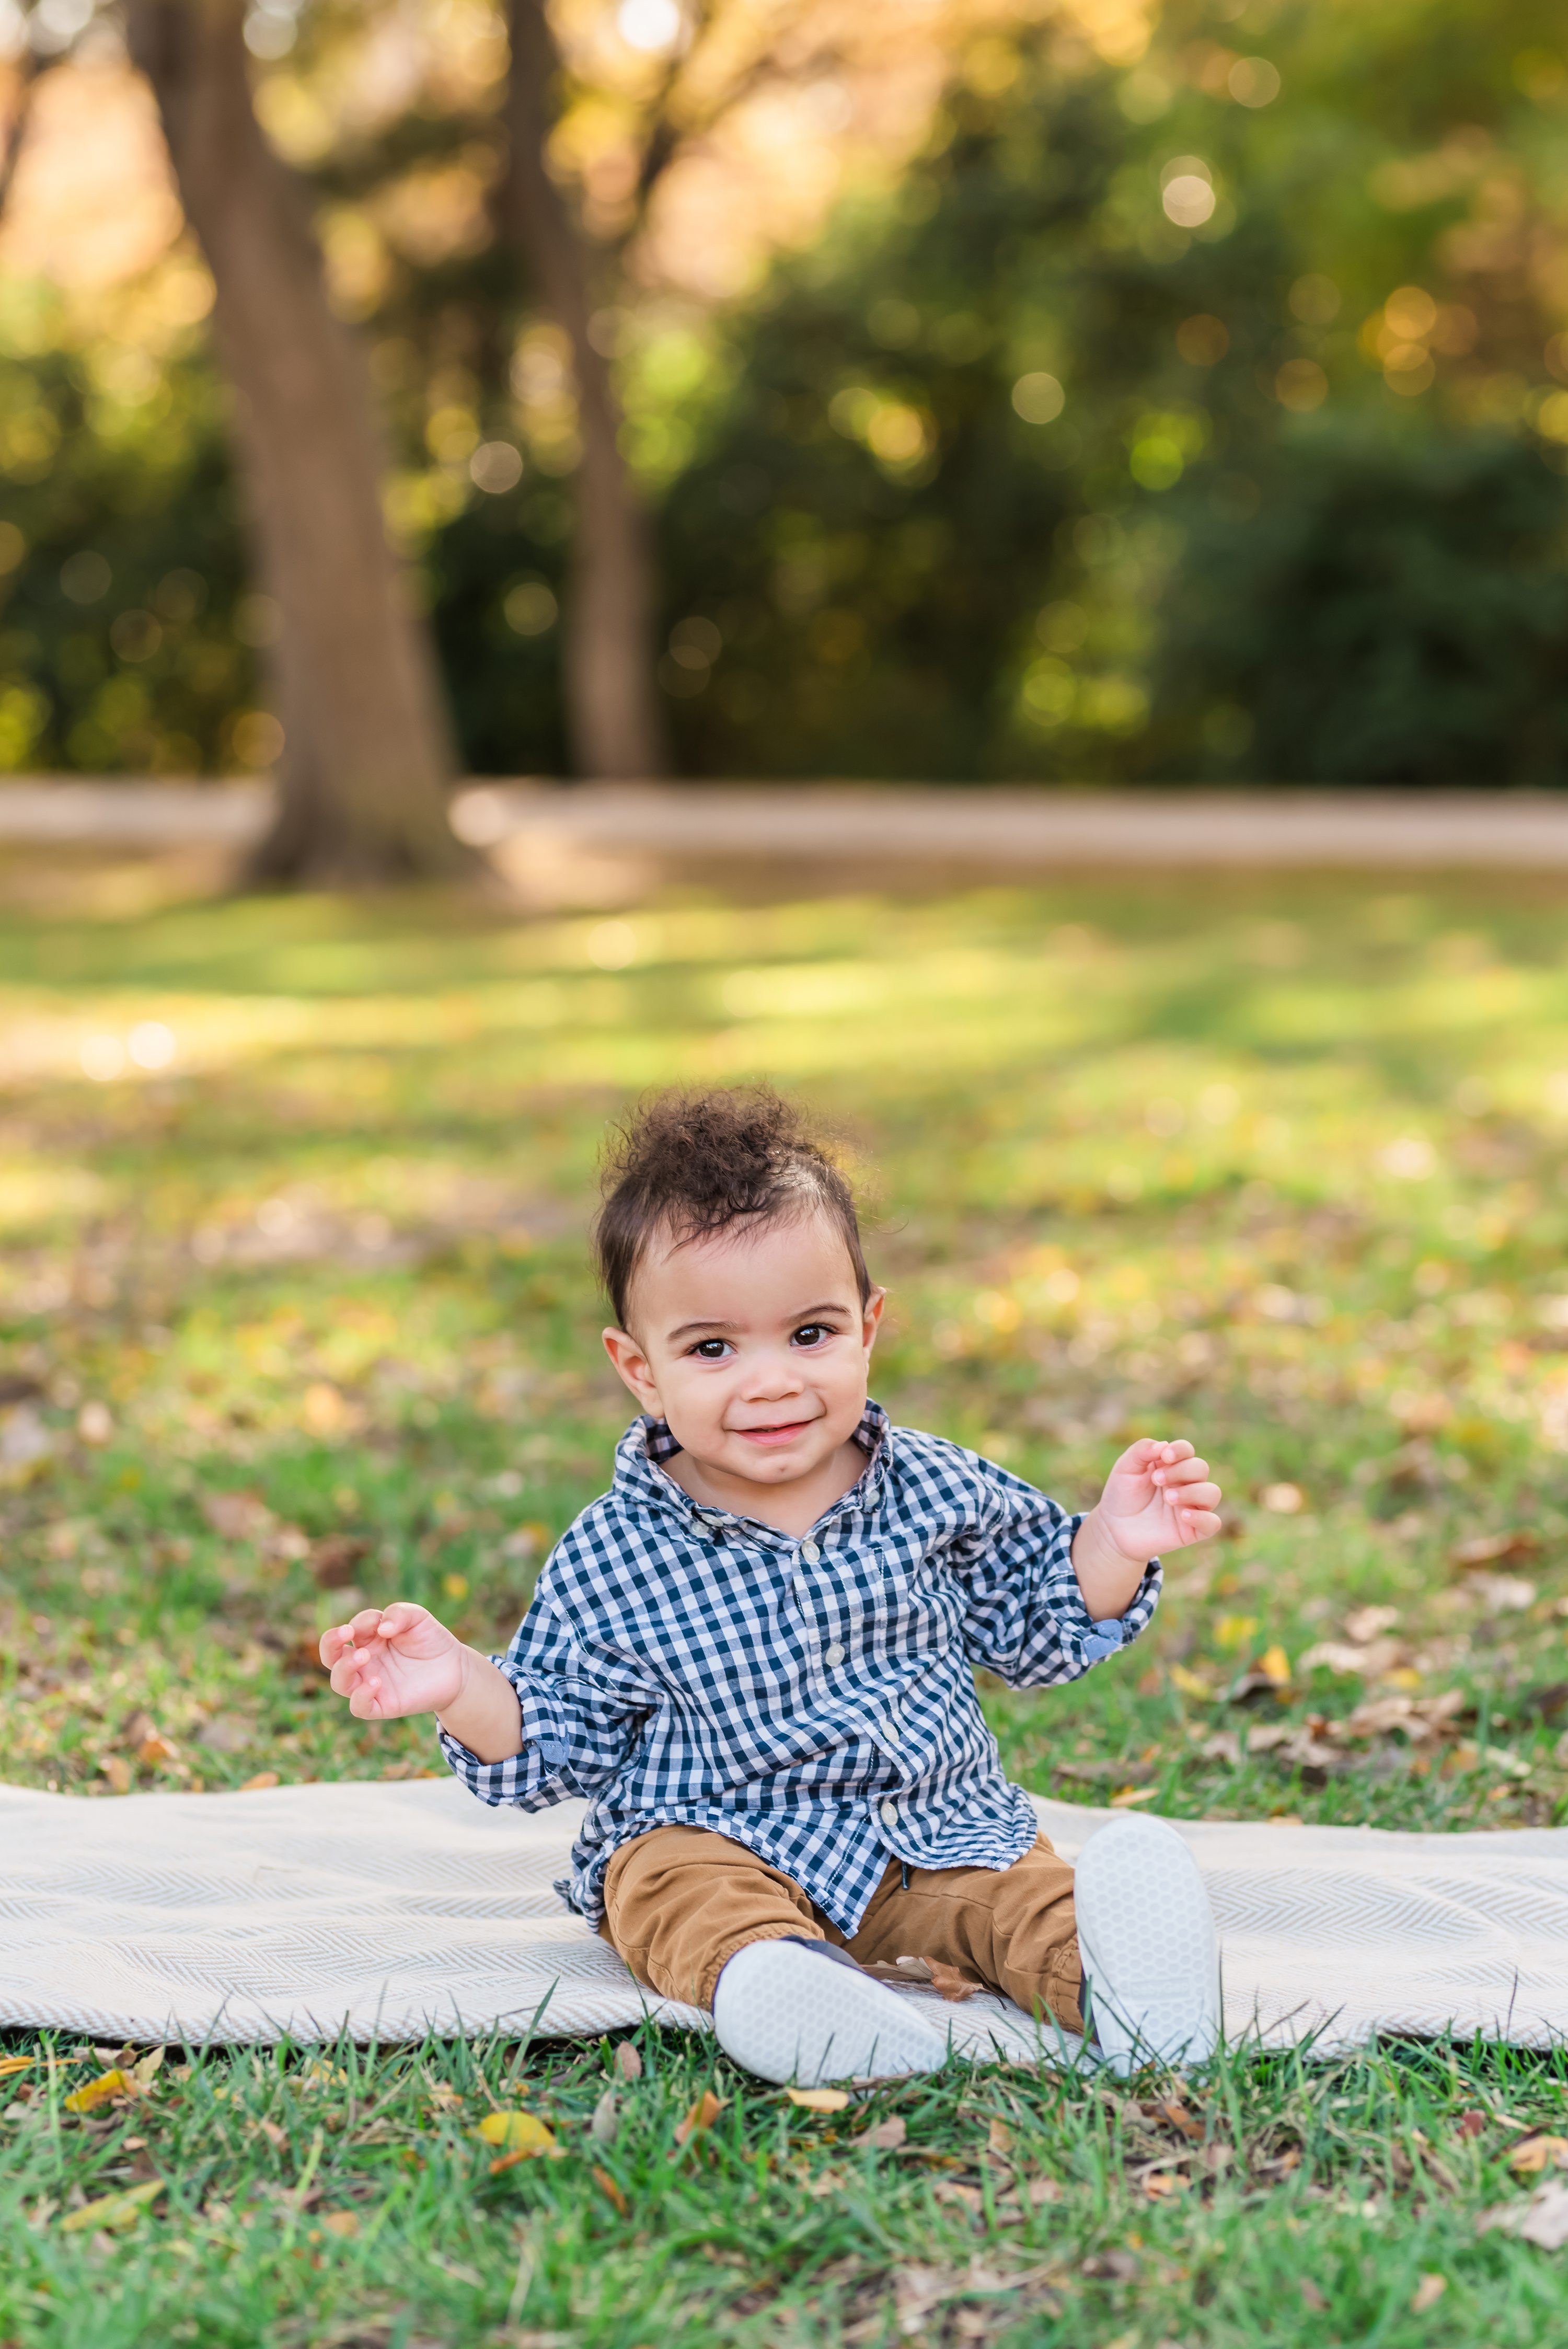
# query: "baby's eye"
(812, 1333)
(711, 1350)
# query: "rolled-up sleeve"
(1027, 1620)
(579, 1716)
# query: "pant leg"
(1012, 1929)
(680, 1901)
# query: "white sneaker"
(1146, 1935)
(800, 2012)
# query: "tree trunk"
(614, 720)
(367, 760)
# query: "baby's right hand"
(392, 1661)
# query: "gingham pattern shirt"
(812, 1697)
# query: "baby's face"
(754, 1345)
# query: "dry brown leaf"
(611, 2192)
(628, 2063)
(605, 2125)
(1041, 2191)
(1470, 2124)
(819, 2100)
(888, 2135)
(702, 2116)
(276, 2138)
(1495, 1549)
(117, 1770)
(952, 1985)
(1527, 2159)
(999, 2139)
(1179, 2119)
(237, 1517)
(263, 1779)
(155, 1748)
(341, 2222)
(1314, 2297)
(1427, 2293)
(1160, 2184)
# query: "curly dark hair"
(696, 1163)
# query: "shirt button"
(889, 1814)
(833, 1655)
(809, 1552)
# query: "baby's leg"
(684, 1906)
(1012, 1929)
(679, 1902)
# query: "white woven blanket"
(401, 1909)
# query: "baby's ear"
(632, 1365)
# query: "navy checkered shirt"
(811, 1698)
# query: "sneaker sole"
(1146, 1936)
(803, 2022)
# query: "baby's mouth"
(780, 1432)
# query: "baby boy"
(754, 1655)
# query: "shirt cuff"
(542, 1753)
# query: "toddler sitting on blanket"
(754, 1655)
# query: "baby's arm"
(393, 1661)
(1157, 1498)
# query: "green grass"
(1278, 1164)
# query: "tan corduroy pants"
(680, 1901)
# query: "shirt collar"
(640, 1476)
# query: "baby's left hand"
(1158, 1497)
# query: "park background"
(970, 394)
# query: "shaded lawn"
(305, 1314)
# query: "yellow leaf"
(819, 2100)
(147, 2070)
(520, 2133)
(702, 2116)
(607, 2185)
(263, 1779)
(10, 2064)
(341, 2222)
(1430, 2290)
(1275, 1665)
(1125, 1797)
(112, 2212)
(102, 2091)
(1235, 1631)
(1191, 1684)
(1529, 2158)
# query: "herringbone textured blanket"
(401, 1909)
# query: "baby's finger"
(364, 1703)
(1183, 1472)
(333, 1644)
(348, 1671)
(1178, 1448)
(401, 1616)
(1195, 1497)
(1198, 1525)
(363, 1625)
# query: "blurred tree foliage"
(1195, 413)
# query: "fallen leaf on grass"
(276, 2138)
(607, 2187)
(1160, 2184)
(819, 2100)
(888, 2135)
(522, 2136)
(1470, 2124)
(1125, 1797)
(1527, 2159)
(1191, 1684)
(104, 2090)
(1542, 2221)
(110, 2212)
(1427, 2293)
(1275, 1665)
(11, 2064)
(1495, 1549)
(263, 1779)
(702, 2116)
(628, 2063)
(605, 2125)
(1314, 2298)
(1178, 2117)
(341, 2222)
(999, 2139)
